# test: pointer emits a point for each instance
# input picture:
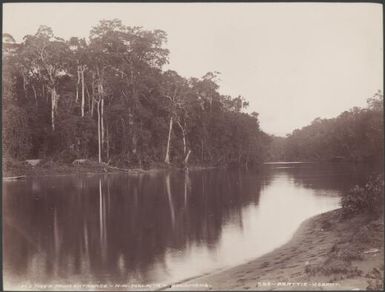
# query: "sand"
(326, 253)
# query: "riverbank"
(19, 169)
(23, 168)
(326, 253)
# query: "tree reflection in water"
(124, 231)
(124, 228)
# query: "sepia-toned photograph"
(192, 146)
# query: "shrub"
(67, 156)
(368, 198)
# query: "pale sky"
(293, 62)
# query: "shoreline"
(19, 170)
(14, 169)
(325, 253)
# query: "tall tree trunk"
(185, 162)
(184, 143)
(108, 143)
(134, 96)
(99, 141)
(34, 94)
(100, 105)
(77, 94)
(92, 106)
(77, 84)
(54, 98)
(24, 85)
(167, 158)
(102, 121)
(83, 97)
(93, 94)
(183, 136)
(88, 98)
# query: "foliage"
(16, 133)
(355, 135)
(368, 198)
(109, 96)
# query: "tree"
(354, 135)
(174, 88)
(79, 51)
(109, 98)
(46, 56)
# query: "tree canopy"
(355, 135)
(108, 98)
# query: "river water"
(80, 232)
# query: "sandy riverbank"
(326, 253)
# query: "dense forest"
(109, 99)
(355, 135)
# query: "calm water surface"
(161, 227)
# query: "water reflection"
(160, 227)
(170, 200)
(330, 176)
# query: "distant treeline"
(355, 135)
(107, 98)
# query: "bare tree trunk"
(77, 84)
(100, 105)
(24, 86)
(167, 158)
(53, 107)
(183, 137)
(34, 94)
(83, 97)
(93, 94)
(186, 158)
(89, 97)
(99, 142)
(108, 144)
(184, 143)
(102, 121)
(92, 106)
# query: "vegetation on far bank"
(109, 99)
(355, 135)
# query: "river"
(75, 231)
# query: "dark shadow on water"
(116, 227)
(123, 228)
